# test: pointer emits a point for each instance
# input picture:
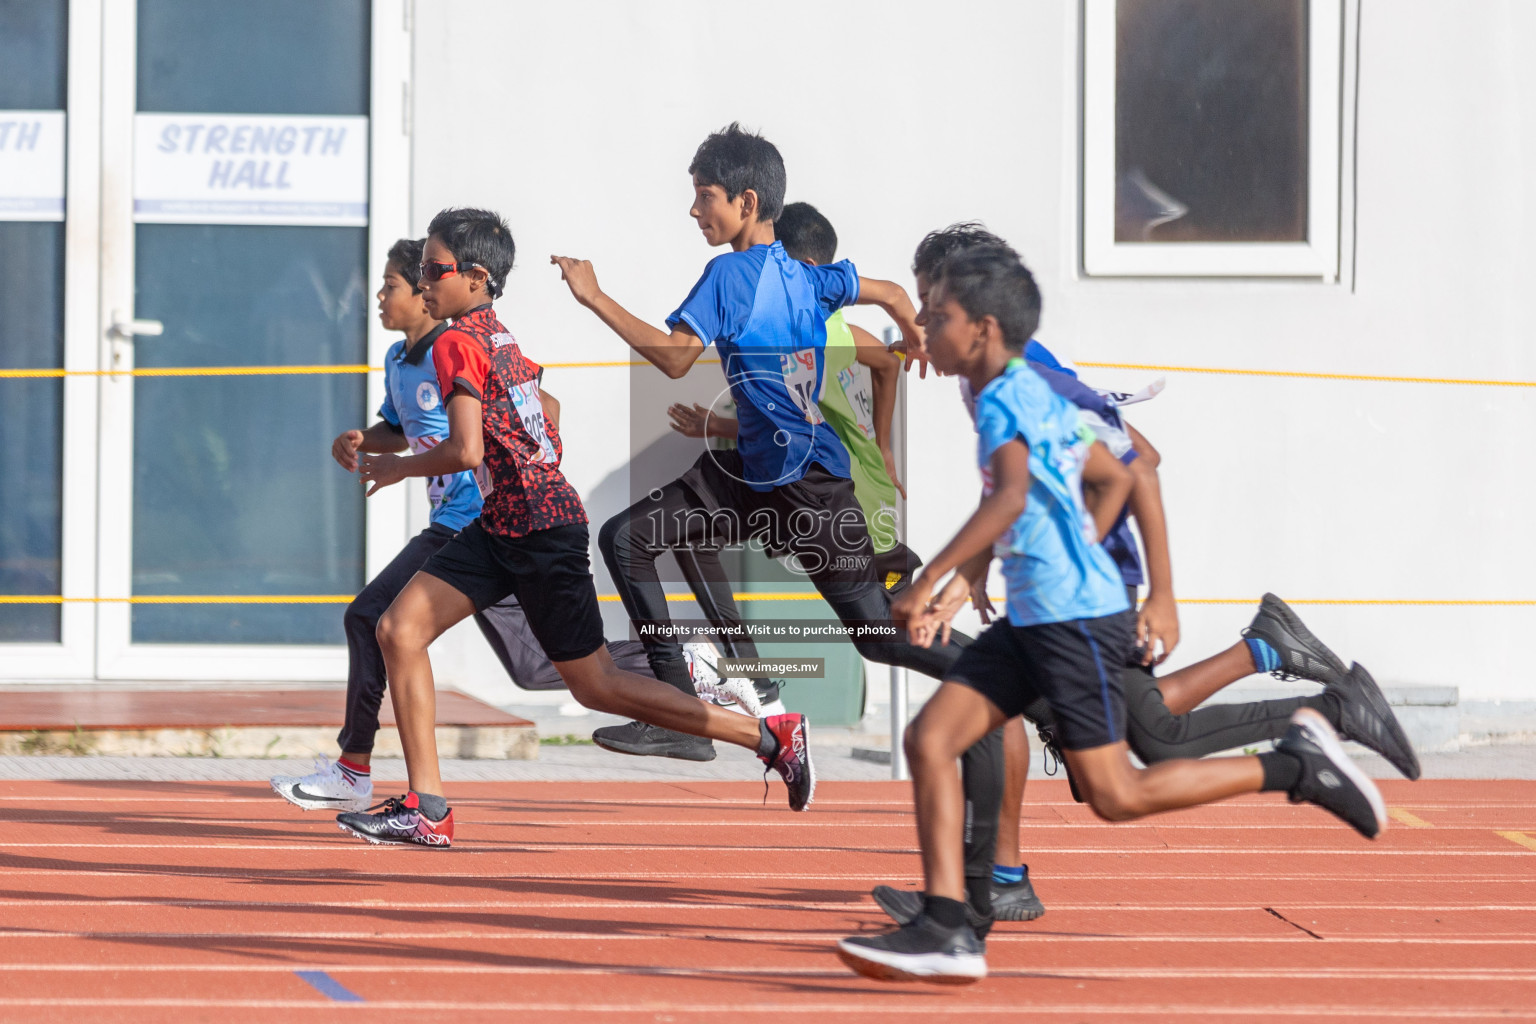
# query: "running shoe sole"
(1322, 736)
(386, 841)
(935, 968)
(1360, 689)
(304, 802)
(677, 751)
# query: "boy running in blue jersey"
(1068, 630)
(1162, 719)
(858, 401)
(787, 481)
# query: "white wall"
(578, 120)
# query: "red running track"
(692, 902)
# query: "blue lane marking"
(329, 987)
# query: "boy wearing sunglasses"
(411, 417)
(530, 542)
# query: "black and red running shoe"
(793, 758)
(398, 820)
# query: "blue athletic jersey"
(766, 315)
(1054, 569)
(1038, 353)
(413, 403)
(1103, 418)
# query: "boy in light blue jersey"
(1066, 635)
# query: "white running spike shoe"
(324, 789)
(703, 668)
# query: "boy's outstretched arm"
(1157, 622)
(893, 298)
(462, 449)
(997, 512)
(673, 354)
(885, 373)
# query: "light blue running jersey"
(1054, 568)
(413, 403)
(766, 314)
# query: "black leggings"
(671, 518)
(1157, 734)
(631, 541)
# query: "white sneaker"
(324, 789)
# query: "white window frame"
(1318, 257)
(117, 656)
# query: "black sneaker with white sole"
(905, 906)
(1367, 718)
(1302, 655)
(645, 740)
(922, 950)
(1328, 777)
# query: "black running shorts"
(549, 573)
(1075, 666)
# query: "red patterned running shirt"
(520, 477)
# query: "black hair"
(406, 255)
(806, 234)
(737, 160)
(938, 246)
(991, 280)
(478, 236)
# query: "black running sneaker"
(398, 820)
(1328, 777)
(1016, 902)
(643, 739)
(922, 950)
(905, 906)
(793, 758)
(1302, 655)
(1367, 718)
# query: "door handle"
(125, 328)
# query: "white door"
(50, 93)
(253, 172)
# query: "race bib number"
(436, 485)
(525, 399)
(854, 380)
(800, 377)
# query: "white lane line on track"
(306, 875)
(731, 1010)
(545, 937)
(535, 847)
(1037, 970)
(1026, 826)
(513, 802)
(765, 903)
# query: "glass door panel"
(234, 490)
(34, 42)
(213, 248)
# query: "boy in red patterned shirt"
(530, 540)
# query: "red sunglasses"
(436, 270)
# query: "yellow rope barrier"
(276, 371)
(1308, 375)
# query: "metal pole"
(898, 723)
